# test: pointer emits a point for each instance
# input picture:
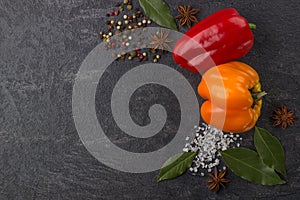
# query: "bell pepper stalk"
(222, 37)
(233, 97)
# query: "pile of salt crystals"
(208, 141)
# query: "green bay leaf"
(159, 12)
(176, 165)
(269, 149)
(248, 165)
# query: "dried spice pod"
(187, 15)
(283, 117)
(161, 40)
(217, 179)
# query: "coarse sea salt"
(208, 141)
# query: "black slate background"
(42, 44)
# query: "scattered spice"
(207, 142)
(284, 117)
(217, 179)
(125, 22)
(186, 15)
(161, 40)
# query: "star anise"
(186, 15)
(217, 179)
(284, 117)
(161, 40)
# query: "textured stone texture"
(42, 44)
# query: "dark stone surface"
(42, 44)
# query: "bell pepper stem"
(252, 26)
(258, 95)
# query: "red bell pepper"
(222, 37)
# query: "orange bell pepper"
(233, 97)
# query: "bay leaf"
(269, 149)
(176, 165)
(248, 165)
(159, 12)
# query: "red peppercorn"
(111, 14)
(113, 44)
(116, 12)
